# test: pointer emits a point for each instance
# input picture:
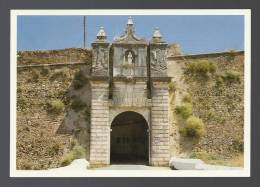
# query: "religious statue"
(130, 58)
(129, 62)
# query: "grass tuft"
(55, 106)
(194, 127)
(76, 153)
(185, 110)
(200, 68)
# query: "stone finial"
(157, 35)
(101, 35)
(130, 21)
(129, 34)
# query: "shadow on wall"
(77, 111)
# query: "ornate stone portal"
(129, 86)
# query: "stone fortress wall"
(35, 89)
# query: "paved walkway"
(132, 167)
(81, 165)
(78, 168)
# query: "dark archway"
(129, 139)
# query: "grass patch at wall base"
(76, 153)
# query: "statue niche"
(129, 57)
(128, 63)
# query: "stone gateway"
(129, 104)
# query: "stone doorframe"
(144, 112)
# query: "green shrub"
(187, 99)
(73, 142)
(67, 159)
(79, 81)
(231, 76)
(185, 110)
(77, 104)
(219, 81)
(194, 127)
(182, 131)
(201, 67)
(172, 86)
(227, 77)
(76, 153)
(55, 106)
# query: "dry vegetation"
(44, 107)
(70, 55)
(214, 94)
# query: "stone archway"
(129, 139)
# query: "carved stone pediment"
(129, 36)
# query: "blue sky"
(195, 34)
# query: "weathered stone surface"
(43, 137)
(67, 56)
(196, 164)
(129, 92)
(186, 164)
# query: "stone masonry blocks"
(160, 128)
(100, 128)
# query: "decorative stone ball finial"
(101, 35)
